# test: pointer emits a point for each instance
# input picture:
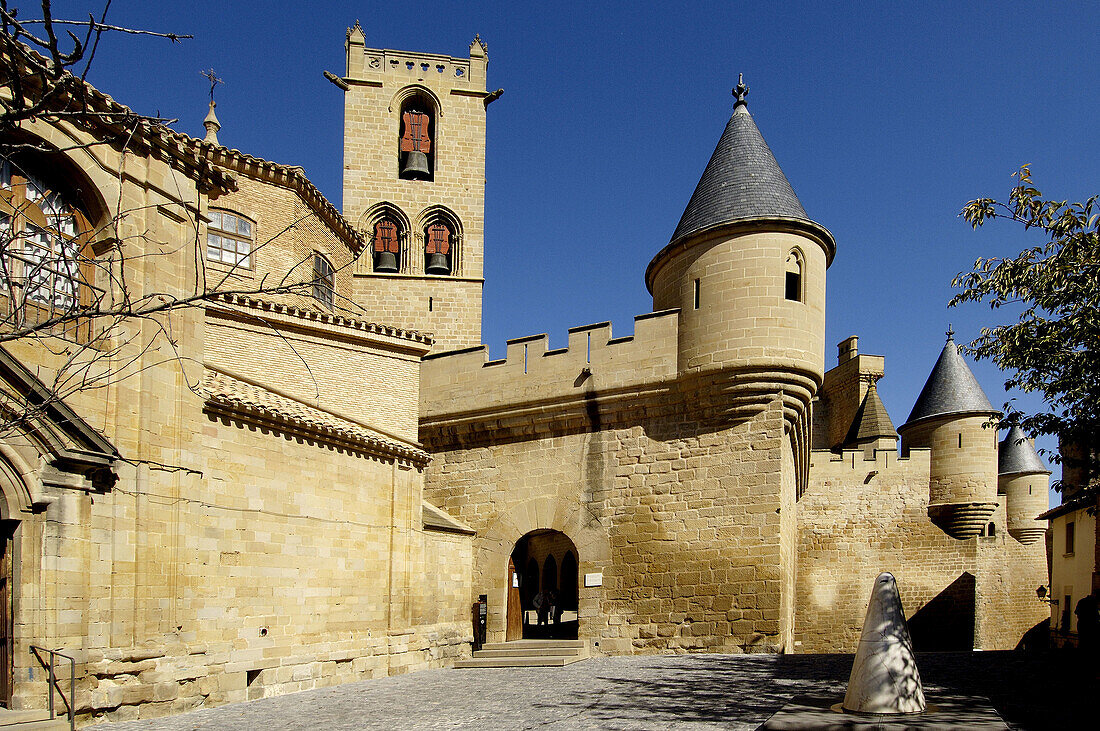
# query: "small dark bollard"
(480, 616)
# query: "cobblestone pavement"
(1030, 691)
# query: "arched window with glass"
(44, 247)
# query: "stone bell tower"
(414, 185)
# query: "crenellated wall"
(467, 381)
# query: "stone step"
(519, 662)
(535, 644)
(31, 720)
(525, 651)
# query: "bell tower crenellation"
(414, 185)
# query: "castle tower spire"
(951, 417)
(742, 181)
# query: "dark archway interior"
(548, 595)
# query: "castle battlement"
(466, 380)
(856, 462)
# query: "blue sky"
(886, 117)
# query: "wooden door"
(514, 629)
(5, 616)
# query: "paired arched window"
(44, 247)
(795, 276)
(387, 246)
(416, 154)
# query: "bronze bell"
(385, 261)
(438, 264)
(416, 165)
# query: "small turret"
(1024, 480)
(872, 428)
(746, 270)
(951, 417)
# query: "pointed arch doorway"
(543, 574)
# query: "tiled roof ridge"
(288, 176)
(178, 146)
(238, 396)
(201, 157)
(255, 303)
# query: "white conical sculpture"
(884, 674)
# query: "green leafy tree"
(1053, 347)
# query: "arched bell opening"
(543, 603)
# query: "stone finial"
(211, 122)
(478, 47)
(212, 125)
(740, 91)
(355, 33)
(884, 677)
(950, 333)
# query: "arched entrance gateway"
(543, 595)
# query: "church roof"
(742, 180)
(871, 421)
(1016, 456)
(230, 394)
(951, 389)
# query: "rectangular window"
(229, 239)
(696, 294)
(1069, 536)
(324, 281)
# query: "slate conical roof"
(871, 420)
(950, 389)
(741, 181)
(1016, 456)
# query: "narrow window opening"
(525, 359)
(1069, 536)
(696, 294)
(793, 281)
(429, 304)
(588, 349)
(324, 281)
(992, 529)
(960, 441)
(1029, 489)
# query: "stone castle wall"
(679, 510)
(860, 517)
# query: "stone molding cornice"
(416, 343)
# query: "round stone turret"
(1025, 481)
(952, 418)
(746, 265)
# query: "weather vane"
(213, 79)
(740, 90)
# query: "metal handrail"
(70, 709)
